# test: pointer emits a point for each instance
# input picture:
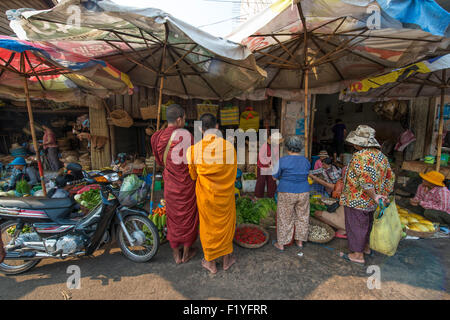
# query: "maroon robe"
(179, 189)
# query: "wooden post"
(33, 136)
(441, 122)
(311, 126)
(306, 115)
(99, 127)
(158, 119)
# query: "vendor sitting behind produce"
(329, 172)
(22, 171)
(333, 182)
(433, 198)
(322, 156)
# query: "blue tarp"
(425, 13)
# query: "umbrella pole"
(306, 115)
(441, 124)
(161, 85)
(33, 136)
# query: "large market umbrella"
(150, 45)
(35, 66)
(320, 46)
(425, 78)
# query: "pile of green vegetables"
(248, 211)
(249, 176)
(22, 187)
(314, 205)
(89, 199)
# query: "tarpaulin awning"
(345, 41)
(423, 78)
(54, 73)
(146, 44)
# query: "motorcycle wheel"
(145, 232)
(13, 266)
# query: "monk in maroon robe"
(179, 188)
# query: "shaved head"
(173, 112)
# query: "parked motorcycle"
(40, 228)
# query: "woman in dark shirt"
(293, 195)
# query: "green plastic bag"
(387, 229)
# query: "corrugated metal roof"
(16, 4)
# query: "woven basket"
(419, 234)
(121, 118)
(149, 112)
(252, 246)
(330, 230)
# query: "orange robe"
(215, 193)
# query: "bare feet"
(228, 261)
(176, 255)
(188, 254)
(210, 266)
(299, 244)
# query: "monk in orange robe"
(212, 163)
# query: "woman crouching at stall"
(293, 195)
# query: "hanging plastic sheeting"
(346, 40)
(436, 20)
(147, 44)
(423, 78)
(54, 73)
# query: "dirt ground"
(419, 270)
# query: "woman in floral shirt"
(369, 178)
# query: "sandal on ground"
(340, 236)
(273, 243)
(347, 258)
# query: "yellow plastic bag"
(229, 115)
(249, 119)
(387, 229)
(207, 107)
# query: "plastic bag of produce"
(387, 229)
(131, 183)
(133, 191)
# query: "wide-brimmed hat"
(323, 153)
(363, 136)
(434, 177)
(19, 161)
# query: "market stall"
(427, 78)
(156, 49)
(317, 47)
(39, 67)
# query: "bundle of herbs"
(248, 211)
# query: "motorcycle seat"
(36, 203)
(55, 209)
